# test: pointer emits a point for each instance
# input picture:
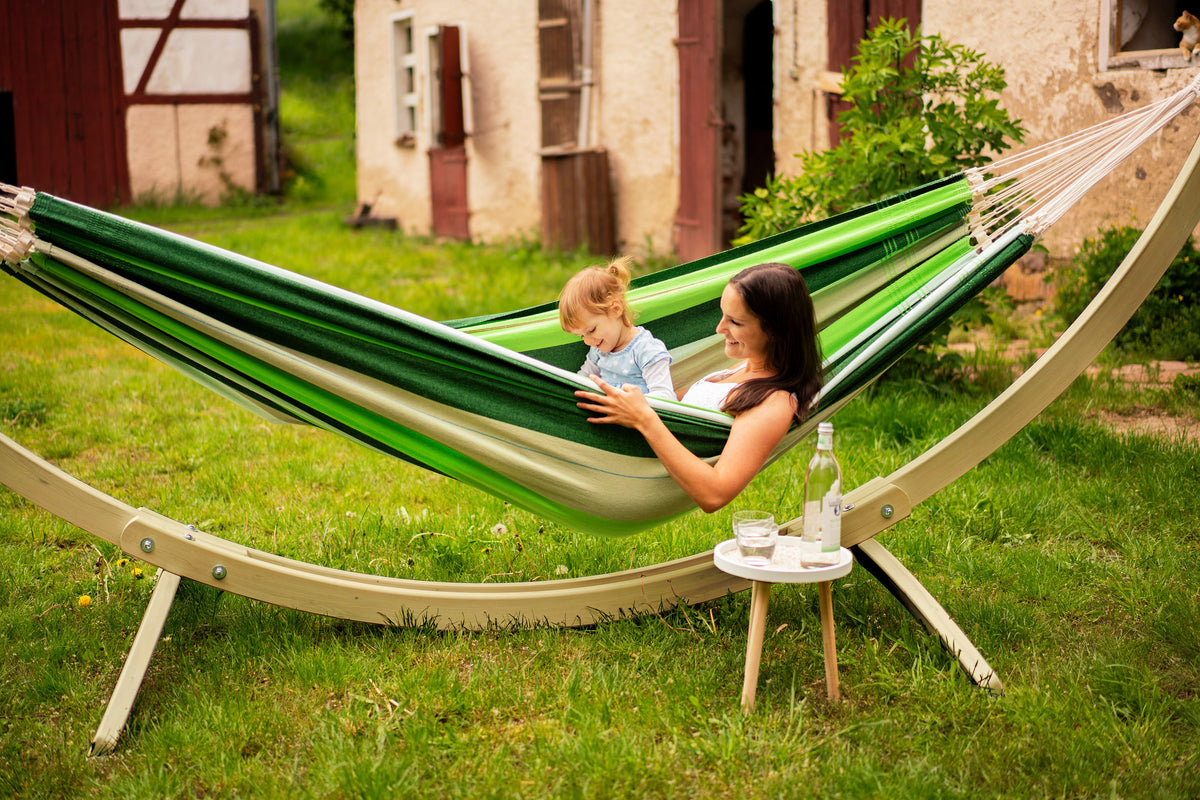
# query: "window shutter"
(560, 79)
(448, 126)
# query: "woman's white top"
(708, 393)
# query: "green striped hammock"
(489, 400)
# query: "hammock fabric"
(489, 400)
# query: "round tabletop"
(785, 564)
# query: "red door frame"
(448, 156)
(698, 221)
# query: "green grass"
(1068, 557)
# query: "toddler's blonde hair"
(592, 290)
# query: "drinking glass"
(755, 532)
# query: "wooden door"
(577, 199)
(448, 156)
(698, 221)
(848, 24)
(61, 114)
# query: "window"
(1139, 34)
(404, 60)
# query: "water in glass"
(756, 534)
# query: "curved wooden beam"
(182, 550)
(884, 501)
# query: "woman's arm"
(754, 435)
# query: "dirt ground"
(1141, 420)
(1148, 420)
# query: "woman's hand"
(754, 434)
(625, 406)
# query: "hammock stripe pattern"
(489, 400)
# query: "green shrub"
(921, 108)
(1166, 326)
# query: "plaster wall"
(633, 113)
(637, 114)
(502, 115)
(1057, 85)
(801, 53)
(189, 151)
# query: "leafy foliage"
(1167, 325)
(341, 12)
(921, 108)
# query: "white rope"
(16, 232)
(1033, 189)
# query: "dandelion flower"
(84, 601)
(136, 572)
(499, 529)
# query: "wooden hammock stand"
(180, 551)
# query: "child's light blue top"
(644, 362)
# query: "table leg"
(760, 593)
(827, 637)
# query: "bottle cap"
(825, 427)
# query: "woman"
(768, 322)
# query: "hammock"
(489, 400)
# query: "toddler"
(592, 306)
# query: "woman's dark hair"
(775, 294)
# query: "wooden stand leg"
(879, 561)
(760, 594)
(136, 664)
(828, 639)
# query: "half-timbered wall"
(108, 101)
(193, 93)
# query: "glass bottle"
(821, 536)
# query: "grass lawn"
(1068, 556)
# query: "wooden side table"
(784, 568)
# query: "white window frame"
(406, 81)
(1110, 57)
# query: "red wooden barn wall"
(59, 62)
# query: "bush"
(342, 14)
(1166, 326)
(921, 109)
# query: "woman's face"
(743, 331)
